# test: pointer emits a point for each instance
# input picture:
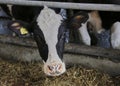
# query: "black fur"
(61, 39)
(40, 40)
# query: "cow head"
(49, 33)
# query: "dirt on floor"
(31, 74)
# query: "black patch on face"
(61, 40)
(40, 40)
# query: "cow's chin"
(54, 68)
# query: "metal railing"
(65, 5)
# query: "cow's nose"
(54, 69)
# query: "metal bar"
(95, 52)
(83, 6)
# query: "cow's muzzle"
(54, 69)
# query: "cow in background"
(97, 24)
(86, 23)
(93, 20)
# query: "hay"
(31, 74)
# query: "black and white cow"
(49, 33)
(48, 28)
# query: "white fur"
(84, 34)
(10, 8)
(49, 23)
(115, 35)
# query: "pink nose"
(54, 69)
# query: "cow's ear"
(75, 21)
(19, 28)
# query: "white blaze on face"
(49, 23)
(115, 35)
(84, 34)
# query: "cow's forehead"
(49, 23)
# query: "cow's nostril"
(50, 68)
(58, 67)
(54, 69)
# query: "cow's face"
(50, 37)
